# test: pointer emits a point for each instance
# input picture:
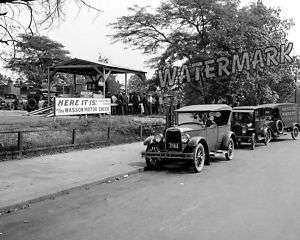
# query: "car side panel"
(222, 131)
(289, 114)
(212, 138)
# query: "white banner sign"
(79, 106)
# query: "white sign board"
(81, 106)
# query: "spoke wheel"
(230, 150)
(268, 136)
(199, 158)
(295, 133)
(152, 163)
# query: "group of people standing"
(136, 103)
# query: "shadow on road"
(137, 164)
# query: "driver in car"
(210, 122)
(200, 118)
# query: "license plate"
(173, 145)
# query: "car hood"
(186, 128)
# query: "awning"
(88, 68)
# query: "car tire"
(295, 133)
(152, 163)
(279, 126)
(199, 158)
(253, 142)
(268, 136)
(230, 150)
(32, 104)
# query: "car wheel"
(253, 142)
(32, 104)
(268, 136)
(295, 133)
(230, 150)
(152, 163)
(279, 126)
(199, 158)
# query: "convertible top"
(243, 110)
(268, 105)
(275, 105)
(248, 107)
(205, 107)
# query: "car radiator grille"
(238, 130)
(173, 140)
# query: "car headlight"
(148, 140)
(158, 138)
(244, 130)
(249, 125)
(185, 138)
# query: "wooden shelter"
(97, 72)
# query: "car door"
(212, 137)
(222, 131)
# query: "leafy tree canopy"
(27, 16)
(34, 54)
(196, 30)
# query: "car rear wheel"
(268, 136)
(230, 150)
(199, 158)
(279, 126)
(295, 133)
(152, 163)
(32, 104)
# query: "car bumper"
(243, 138)
(168, 155)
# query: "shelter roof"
(84, 67)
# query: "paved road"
(255, 196)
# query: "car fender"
(148, 140)
(227, 137)
(193, 142)
(296, 125)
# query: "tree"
(102, 59)
(135, 84)
(34, 54)
(196, 30)
(4, 79)
(37, 12)
(113, 86)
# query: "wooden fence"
(17, 147)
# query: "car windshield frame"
(240, 119)
(219, 118)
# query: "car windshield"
(243, 117)
(219, 118)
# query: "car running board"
(213, 154)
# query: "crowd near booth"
(96, 77)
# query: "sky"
(84, 33)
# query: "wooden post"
(49, 87)
(151, 103)
(126, 91)
(20, 143)
(108, 135)
(141, 131)
(74, 81)
(73, 136)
